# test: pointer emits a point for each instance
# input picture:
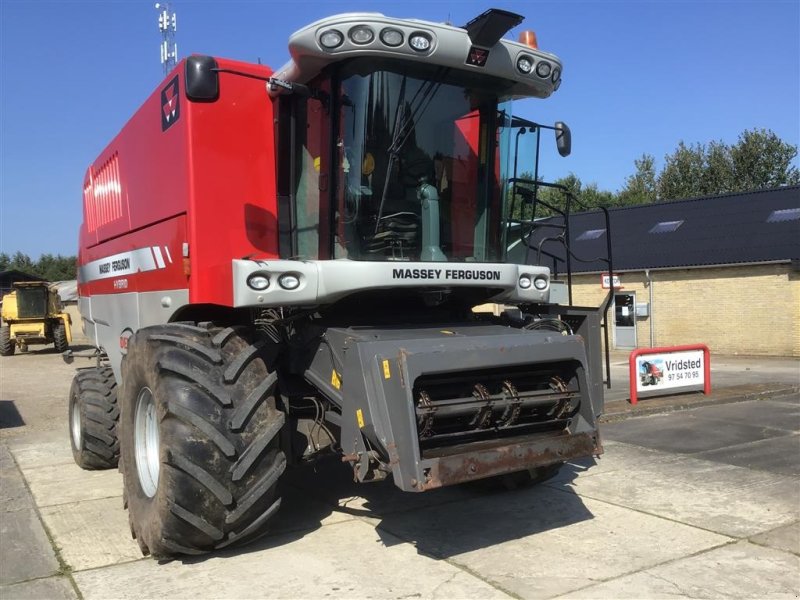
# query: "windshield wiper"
(405, 126)
(398, 119)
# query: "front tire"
(60, 337)
(93, 418)
(200, 455)
(7, 345)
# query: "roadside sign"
(605, 281)
(664, 369)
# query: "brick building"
(722, 270)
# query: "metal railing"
(559, 221)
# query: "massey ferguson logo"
(477, 57)
(170, 105)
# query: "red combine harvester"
(279, 266)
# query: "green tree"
(683, 173)
(22, 262)
(586, 196)
(640, 188)
(550, 196)
(760, 159)
(65, 268)
(592, 197)
(48, 266)
(718, 173)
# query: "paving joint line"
(734, 422)
(451, 562)
(789, 434)
(695, 455)
(653, 566)
(764, 545)
(670, 519)
(236, 550)
(57, 504)
(64, 569)
(124, 562)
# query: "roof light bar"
(530, 71)
(420, 41)
(525, 64)
(331, 39)
(361, 34)
(392, 37)
(543, 69)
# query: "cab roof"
(352, 35)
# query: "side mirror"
(563, 138)
(202, 79)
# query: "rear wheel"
(60, 336)
(93, 417)
(7, 345)
(200, 456)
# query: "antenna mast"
(167, 25)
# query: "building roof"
(753, 227)
(13, 275)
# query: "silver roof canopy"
(449, 46)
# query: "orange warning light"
(529, 39)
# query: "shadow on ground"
(9, 415)
(42, 349)
(440, 523)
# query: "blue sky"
(638, 78)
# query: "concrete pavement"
(695, 503)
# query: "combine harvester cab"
(32, 314)
(279, 266)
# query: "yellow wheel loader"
(32, 314)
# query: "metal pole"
(650, 300)
(536, 170)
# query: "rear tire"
(93, 418)
(60, 336)
(7, 345)
(200, 456)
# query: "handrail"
(564, 240)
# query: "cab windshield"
(419, 163)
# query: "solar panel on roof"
(665, 226)
(787, 214)
(590, 234)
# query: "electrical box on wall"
(642, 309)
(559, 293)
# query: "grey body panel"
(87, 324)
(325, 281)
(450, 47)
(106, 316)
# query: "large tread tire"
(218, 452)
(7, 345)
(93, 418)
(60, 336)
